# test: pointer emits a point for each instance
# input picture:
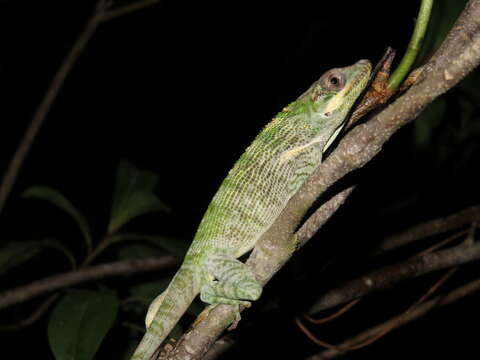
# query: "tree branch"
(390, 275)
(402, 319)
(433, 227)
(101, 14)
(459, 54)
(307, 230)
(23, 293)
(37, 314)
(46, 103)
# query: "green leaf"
(133, 195)
(79, 322)
(16, 253)
(57, 199)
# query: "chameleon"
(270, 171)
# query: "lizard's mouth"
(360, 77)
(349, 94)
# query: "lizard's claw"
(246, 304)
(237, 318)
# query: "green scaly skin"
(251, 197)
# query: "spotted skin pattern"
(251, 197)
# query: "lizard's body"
(251, 197)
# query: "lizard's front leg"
(235, 284)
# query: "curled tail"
(173, 303)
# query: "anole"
(250, 198)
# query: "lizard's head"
(332, 96)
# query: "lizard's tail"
(176, 299)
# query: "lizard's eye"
(333, 80)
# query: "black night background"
(180, 89)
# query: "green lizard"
(250, 198)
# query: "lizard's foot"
(209, 295)
(236, 285)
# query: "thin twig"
(46, 103)
(352, 303)
(403, 319)
(23, 293)
(430, 228)
(390, 275)
(333, 316)
(321, 216)
(444, 242)
(386, 329)
(39, 311)
(315, 339)
(101, 14)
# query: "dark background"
(181, 88)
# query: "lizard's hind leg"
(235, 284)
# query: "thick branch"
(456, 58)
(264, 265)
(23, 293)
(390, 275)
